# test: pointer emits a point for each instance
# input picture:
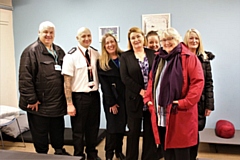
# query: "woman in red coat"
(174, 88)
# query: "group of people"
(160, 86)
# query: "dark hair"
(152, 33)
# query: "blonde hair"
(105, 58)
(137, 30)
(171, 32)
(200, 49)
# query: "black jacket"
(113, 93)
(132, 78)
(207, 98)
(39, 81)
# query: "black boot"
(121, 156)
(61, 152)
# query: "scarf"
(172, 81)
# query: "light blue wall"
(217, 20)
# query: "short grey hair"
(81, 29)
(171, 32)
(46, 24)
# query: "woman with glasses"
(135, 66)
(174, 88)
(193, 41)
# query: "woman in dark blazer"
(113, 96)
(193, 41)
(135, 66)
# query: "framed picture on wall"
(155, 22)
(114, 30)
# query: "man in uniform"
(81, 92)
(41, 88)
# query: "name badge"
(57, 67)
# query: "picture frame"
(114, 30)
(155, 22)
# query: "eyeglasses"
(167, 39)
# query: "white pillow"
(13, 130)
(6, 111)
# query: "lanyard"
(88, 63)
(54, 54)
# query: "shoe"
(61, 152)
(120, 156)
(82, 158)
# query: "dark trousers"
(85, 124)
(173, 154)
(43, 127)
(114, 142)
(149, 150)
(194, 150)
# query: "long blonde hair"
(105, 58)
(200, 49)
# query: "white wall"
(8, 87)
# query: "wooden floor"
(206, 151)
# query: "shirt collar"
(83, 48)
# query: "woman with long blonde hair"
(193, 41)
(113, 96)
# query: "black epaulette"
(93, 48)
(72, 50)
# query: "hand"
(142, 93)
(149, 103)
(71, 110)
(34, 106)
(175, 102)
(114, 109)
(207, 112)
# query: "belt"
(86, 93)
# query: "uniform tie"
(88, 58)
(90, 75)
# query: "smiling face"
(136, 40)
(193, 41)
(169, 39)
(84, 37)
(153, 42)
(169, 43)
(46, 36)
(110, 45)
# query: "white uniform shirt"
(75, 65)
